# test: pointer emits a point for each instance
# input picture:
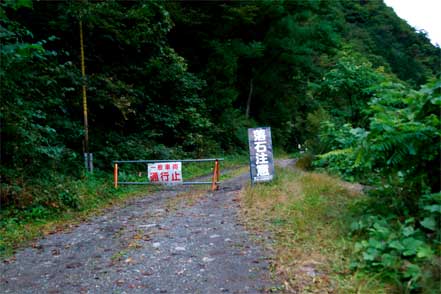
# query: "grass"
(308, 215)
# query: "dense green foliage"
(399, 155)
(186, 79)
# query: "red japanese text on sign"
(167, 173)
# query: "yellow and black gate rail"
(153, 177)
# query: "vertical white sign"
(261, 154)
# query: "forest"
(348, 83)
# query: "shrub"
(400, 154)
(305, 161)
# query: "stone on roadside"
(207, 259)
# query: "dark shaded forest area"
(348, 81)
(166, 79)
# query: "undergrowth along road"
(308, 216)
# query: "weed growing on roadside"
(308, 215)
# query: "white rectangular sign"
(165, 172)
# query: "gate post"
(115, 175)
(216, 173)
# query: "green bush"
(342, 154)
(405, 252)
(400, 155)
(305, 161)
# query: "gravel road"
(165, 242)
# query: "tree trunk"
(250, 94)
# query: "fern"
(337, 152)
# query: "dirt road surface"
(165, 242)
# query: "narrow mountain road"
(165, 242)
